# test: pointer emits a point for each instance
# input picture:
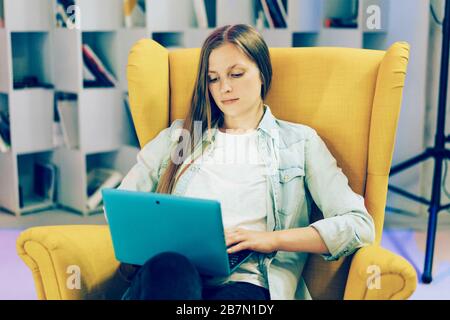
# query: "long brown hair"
(203, 107)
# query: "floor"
(404, 235)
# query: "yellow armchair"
(352, 97)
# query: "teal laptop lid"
(143, 224)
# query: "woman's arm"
(296, 240)
(305, 239)
(347, 225)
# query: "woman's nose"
(225, 86)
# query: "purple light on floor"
(16, 281)
(410, 244)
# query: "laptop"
(144, 224)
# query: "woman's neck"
(244, 123)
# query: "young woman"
(265, 172)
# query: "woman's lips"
(230, 101)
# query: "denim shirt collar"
(267, 125)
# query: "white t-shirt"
(234, 175)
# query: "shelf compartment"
(101, 114)
(72, 191)
(104, 45)
(31, 119)
(72, 180)
(31, 197)
(31, 60)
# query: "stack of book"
(95, 73)
(99, 178)
(275, 13)
(67, 111)
(5, 131)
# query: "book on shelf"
(64, 8)
(200, 13)
(210, 7)
(134, 13)
(277, 12)
(266, 11)
(67, 109)
(5, 132)
(97, 179)
(103, 77)
(45, 175)
(31, 81)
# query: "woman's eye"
(234, 75)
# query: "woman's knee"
(169, 275)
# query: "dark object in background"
(31, 82)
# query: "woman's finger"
(232, 239)
(239, 247)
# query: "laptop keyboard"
(238, 257)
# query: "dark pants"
(171, 276)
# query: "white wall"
(409, 21)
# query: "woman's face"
(232, 75)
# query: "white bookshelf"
(28, 16)
(31, 44)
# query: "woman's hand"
(238, 239)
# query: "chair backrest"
(352, 97)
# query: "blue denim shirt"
(300, 169)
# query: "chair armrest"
(397, 278)
(56, 255)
